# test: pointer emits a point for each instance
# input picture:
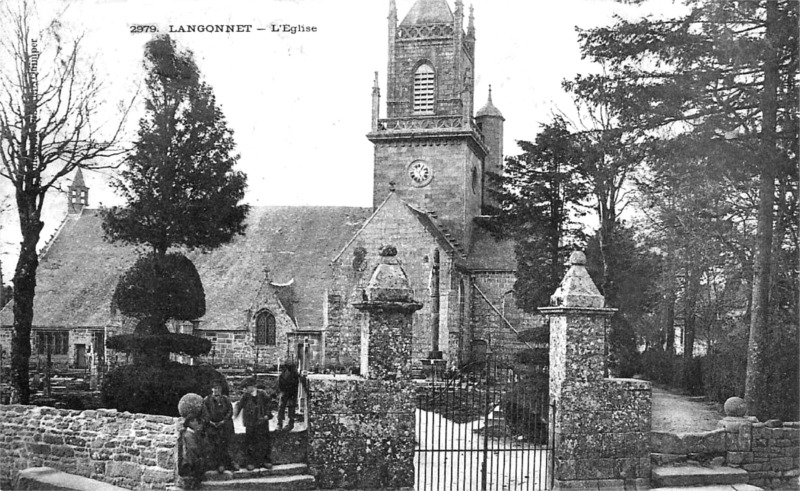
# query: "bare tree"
(49, 106)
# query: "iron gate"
(483, 429)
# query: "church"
(290, 282)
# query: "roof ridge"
(47, 245)
(444, 231)
(366, 222)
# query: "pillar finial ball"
(190, 405)
(735, 406)
(577, 258)
(388, 251)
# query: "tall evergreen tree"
(721, 80)
(181, 190)
(180, 185)
(542, 196)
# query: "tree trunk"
(689, 322)
(756, 390)
(667, 314)
(24, 292)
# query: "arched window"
(265, 329)
(424, 89)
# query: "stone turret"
(490, 121)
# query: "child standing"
(255, 407)
(192, 465)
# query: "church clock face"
(420, 173)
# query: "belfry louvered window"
(424, 89)
(265, 329)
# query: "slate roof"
(78, 180)
(77, 275)
(428, 12)
(489, 108)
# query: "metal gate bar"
(482, 429)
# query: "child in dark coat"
(288, 384)
(194, 448)
(217, 414)
(256, 413)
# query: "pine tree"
(541, 198)
(181, 191)
(721, 80)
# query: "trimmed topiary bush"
(183, 344)
(161, 288)
(149, 389)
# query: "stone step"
(268, 483)
(717, 487)
(690, 475)
(277, 470)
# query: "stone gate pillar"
(601, 425)
(361, 428)
(389, 303)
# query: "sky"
(300, 104)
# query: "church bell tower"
(428, 148)
(77, 194)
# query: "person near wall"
(256, 413)
(288, 384)
(218, 425)
(193, 452)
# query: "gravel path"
(675, 413)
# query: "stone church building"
(293, 278)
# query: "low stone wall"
(769, 452)
(774, 456)
(704, 446)
(135, 451)
(602, 436)
(361, 432)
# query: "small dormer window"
(424, 89)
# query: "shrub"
(527, 409)
(184, 344)
(162, 287)
(154, 389)
(659, 366)
(725, 364)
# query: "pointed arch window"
(265, 329)
(424, 89)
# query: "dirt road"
(681, 414)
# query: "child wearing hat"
(218, 423)
(255, 408)
(192, 465)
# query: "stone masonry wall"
(769, 452)
(488, 325)
(135, 451)
(775, 455)
(602, 425)
(361, 432)
(393, 224)
(450, 193)
(602, 434)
